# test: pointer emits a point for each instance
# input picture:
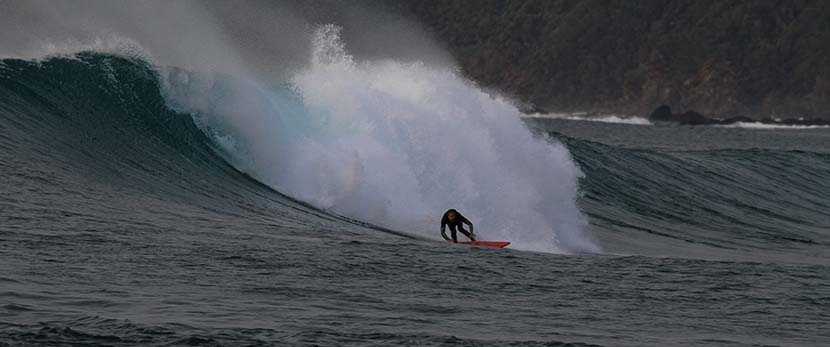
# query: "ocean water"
(142, 206)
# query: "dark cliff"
(720, 58)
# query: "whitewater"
(395, 144)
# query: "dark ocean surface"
(121, 226)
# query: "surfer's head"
(452, 215)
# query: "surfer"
(456, 220)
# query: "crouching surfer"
(456, 220)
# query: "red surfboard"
(497, 244)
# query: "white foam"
(609, 118)
(397, 144)
(765, 126)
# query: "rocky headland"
(762, 59)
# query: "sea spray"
(396, 144)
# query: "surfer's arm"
(467, 221)
(444, 231)
(472, 234)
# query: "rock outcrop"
(664, 114)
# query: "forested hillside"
(720, 58)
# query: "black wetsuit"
(457, 223)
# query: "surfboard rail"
(497, 244)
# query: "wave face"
(703, 192)
(377, 143)
(92, 134)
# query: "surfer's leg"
(452, 232)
